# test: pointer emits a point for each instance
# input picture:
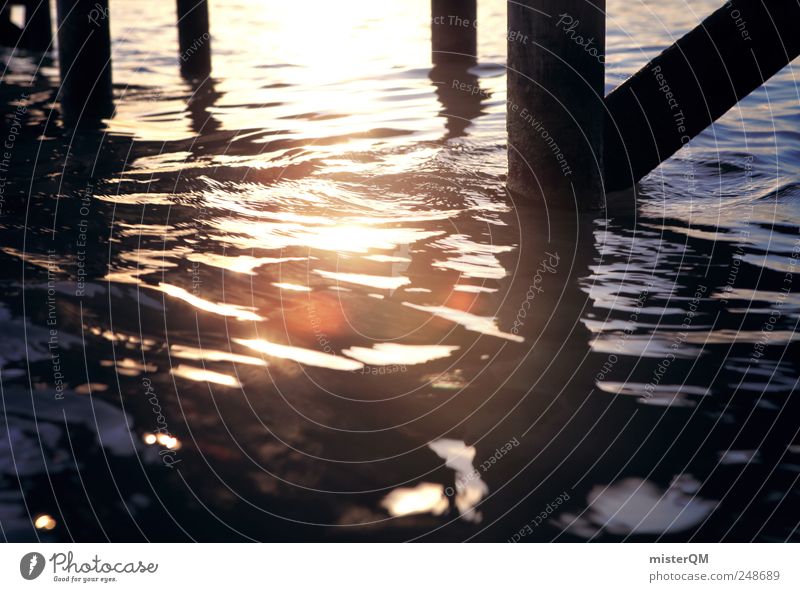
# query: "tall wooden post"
(84, 55)
(38, 32)
(194, 39)
(556, 67)
(460, 94)
(454, 31)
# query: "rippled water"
(296, 302)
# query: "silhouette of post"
(84, 55)
(194, 39)
(454, 31)
(38, 31)
(9, 32)
(695, 81)
(556, 69)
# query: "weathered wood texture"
(194, 38)
(555, 100)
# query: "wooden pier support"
(38, 32)
(84, 55)
(194, 39)
(9, 32)
(695, 81)
(460, 94)
(454, 31)
(555, 100)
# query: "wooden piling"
(38, 32)
(454, 31)
(194, 39)
(84, 54)
(695, 81)
(460, 94)
(555, 100)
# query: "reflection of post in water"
(695, 81)
(84, 51)
(194, 39)
(540, 301)
(460, 94)
(454, 30)
(522, 378)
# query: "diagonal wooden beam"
(694, 82)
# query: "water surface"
(296, 302)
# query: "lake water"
(297, 303)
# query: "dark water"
(296, 302)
